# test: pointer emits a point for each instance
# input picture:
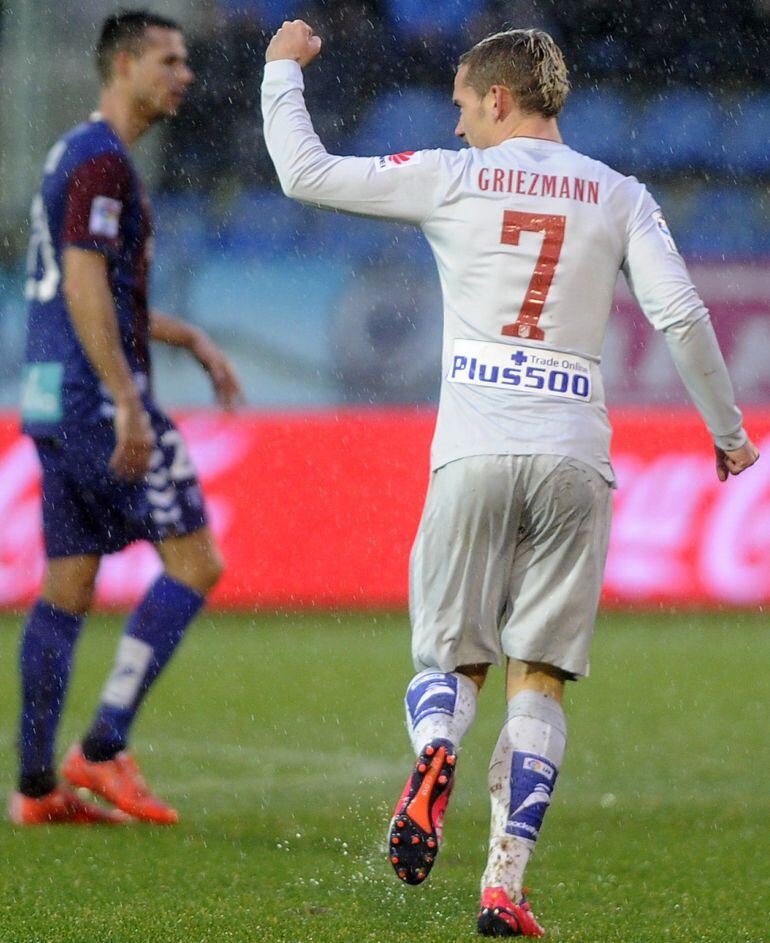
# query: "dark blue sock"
(154, 630)
(45, 661)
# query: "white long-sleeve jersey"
(529, 237)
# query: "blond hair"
(526, 61)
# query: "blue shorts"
(87, 510)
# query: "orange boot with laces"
(120, 782)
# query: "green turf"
(280, 739)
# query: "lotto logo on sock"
(531, 783)
(434, 693)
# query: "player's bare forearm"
(173, 331)
(170, 330)
(294, 40)
(92, 311)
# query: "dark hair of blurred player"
(126, 32)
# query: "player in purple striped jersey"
(115, 469)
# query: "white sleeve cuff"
(284, 71)
(729, 443)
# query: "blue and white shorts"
(87, 510)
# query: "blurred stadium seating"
(406, 119)
(598, 122)
(415, 18)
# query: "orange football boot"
(499, 916)
(60, 807)
(417, 826)
(118, 781)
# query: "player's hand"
(294, 40)
(134, 441)
(227, 386)
(736, 460)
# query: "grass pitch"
(281, 741)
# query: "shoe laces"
(128, 765)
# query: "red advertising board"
(320, 509)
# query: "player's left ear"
(121, 64)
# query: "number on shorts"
(552, 228)
(181, 465)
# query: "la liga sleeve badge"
(104, 218)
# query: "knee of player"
(76, 602)
(477, 673)
(73, 594)
(215, 569)
(207, 570)
(194, 560)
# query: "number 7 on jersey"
(552, 228)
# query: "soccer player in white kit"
(529, 237)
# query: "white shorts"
(509, 560)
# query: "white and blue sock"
(45, 661)
(153, 632)
(439, 706)
(522, 775)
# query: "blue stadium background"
(317, 309)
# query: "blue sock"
(45, 661)
(153, 631)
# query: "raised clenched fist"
(294, 40)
